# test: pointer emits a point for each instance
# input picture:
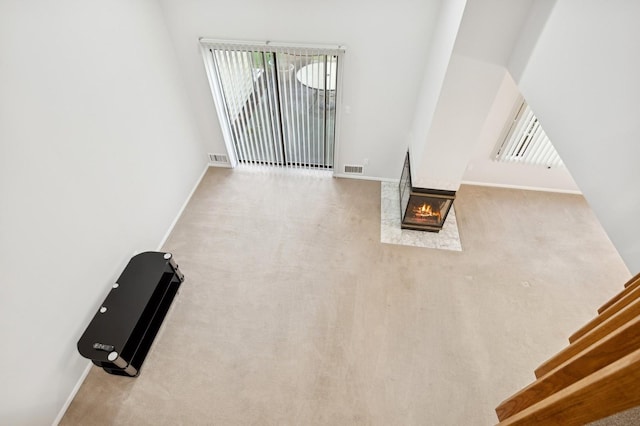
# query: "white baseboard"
(184, 205)
(526, 188)
(72, 395)
(362, 177)
(223, 165)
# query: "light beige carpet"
(293, 312)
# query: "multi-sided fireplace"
(422, 209)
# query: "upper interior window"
(526, 142)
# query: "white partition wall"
(582, 81)
(98, 152)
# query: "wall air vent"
(357, 170)
(218, 158)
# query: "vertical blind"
(527, 142)
(279, 102)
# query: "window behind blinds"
(276, 103)
(526, 142)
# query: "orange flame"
(425, 211)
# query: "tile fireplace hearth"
(391, 233)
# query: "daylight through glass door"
(279, 104)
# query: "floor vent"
(353, 169)
(218, 158)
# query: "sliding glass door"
(278, 104)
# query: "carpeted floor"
(293, 312)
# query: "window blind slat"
(332, 110)
(264, 101)
(267, 137)
(254, 119)
(309, 93)
(239, 69)
(289, 118)
(254, 122)
(527, 142)
(257, 99)
(522, 137)
(546, 156)
(517, 133)
(327, 81)
(286, 116)
(316, 139)
(277, 114)
(219, 72)
(506, 144)
(541, 145)
(237, 113)
(272, 95)
(305, 115)
(298, 125)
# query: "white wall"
(490, 29)
(438, 57)
(466, 98)
(483, 170)
(582, 82)
(528, 38)
(386, 55)
(98, 151)
(487, 33)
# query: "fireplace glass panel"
(405, 186)
(424, 210)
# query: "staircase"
(595, 376)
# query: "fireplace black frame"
(409, 194)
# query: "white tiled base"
(391, 233)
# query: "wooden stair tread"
(614, 346)
(611, 324)
(608, 313)
(592, 398)
(629, 286)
